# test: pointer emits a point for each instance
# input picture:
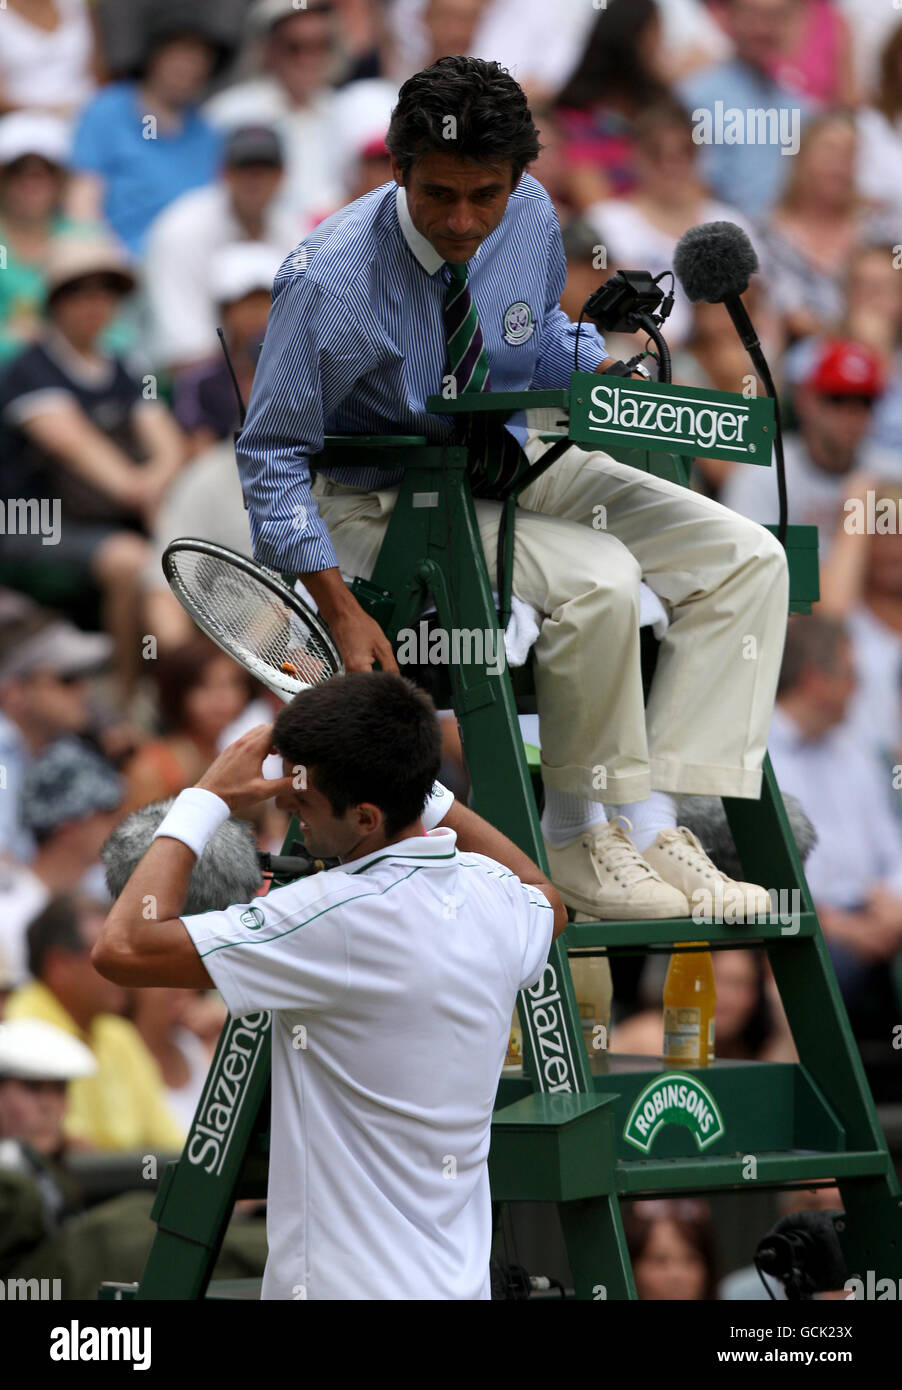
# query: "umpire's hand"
(358, 637)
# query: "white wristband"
(438, 804)
(194, 818)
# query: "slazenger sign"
(544, 1022)
(227, 1085)
(675, 1099)
(678, 419)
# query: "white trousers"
(587, 531)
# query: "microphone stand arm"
(746, 330)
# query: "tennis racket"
(252, 615)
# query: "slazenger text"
(669, 421)
(226, 1084)
(548, 1035)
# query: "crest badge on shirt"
(518, 323)
(253, 919)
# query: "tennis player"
(450, 278)
(392, 981)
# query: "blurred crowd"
(158, 161)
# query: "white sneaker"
(603, 874)
(680, 859)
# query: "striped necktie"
(467, 360)
(494, 455)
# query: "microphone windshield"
(714, 261)
(227, 872)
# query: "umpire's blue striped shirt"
(356, 342)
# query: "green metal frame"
(558, 1132)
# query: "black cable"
(665, 372)
(579, 333)
(241, 410)
(770, 1293)
(782, 500)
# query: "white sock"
(659, 812)
(566, 817)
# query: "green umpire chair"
(582, 1131)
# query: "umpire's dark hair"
(57, 926)
(493, 123)
(366, 736)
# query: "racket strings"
(250, 621)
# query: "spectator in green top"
(33, 153)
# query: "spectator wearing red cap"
(834, 402)
(373, 166)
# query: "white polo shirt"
(392, 980)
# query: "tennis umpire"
(454, 273)
(392, 979)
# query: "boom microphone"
(804, 1253)
(227, 872)
(714, 263)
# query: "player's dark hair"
(366, 736)
(492, 123)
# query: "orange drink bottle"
(689, 1001)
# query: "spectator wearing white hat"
(239, 280)
(44, 665)
(206, 499)
(70, 796)
(80, 433)
(242, 206)
(122, 1106)
(49, 57)
(36, 1062)
(43, 1232)
(300, 61)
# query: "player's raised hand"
(237, 774)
